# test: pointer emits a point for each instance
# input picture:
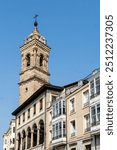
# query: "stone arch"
(23, 140)
(28, 60)
(34, 134)
(41, 131)
(41, 60)
(28, 137)
(19, 140)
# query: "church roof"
(36, 94)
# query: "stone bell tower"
(34, 64)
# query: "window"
(19, 120)
(72, 106)
(54, 111)
(28, 60)
(87, 123)
(13, 141)
(64, 129)
(23, 116)
(53, 98)
(73, 128)
(34, 109)
(41, 104)
(59, 130)
(13, 129)
(86, 97)
(88, 147)
(97, 80)
(95, 87)
(63, 107)
(59, 111)
(41, 60)
(92, 88)
(95, 114)
(73, 148)
(98, 113)
(58, 108)
(28, 113)
(97, 139)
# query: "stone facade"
(34, 65)
(78, 128)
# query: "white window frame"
(96, 115)
(58, 130)
(57, 108)
(87, 122)
(86, 97)
(95, 87)
(73, 128)
(72, 105)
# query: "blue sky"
(71, 28)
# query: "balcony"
(60, 134)
(57, 115)
(59, 139)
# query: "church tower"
(34, 64)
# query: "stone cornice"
(33, 78)
(44, 88)
(35, 43)
(34, 67)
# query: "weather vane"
(35, 23)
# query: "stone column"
(21, 143)
(16, 145)
(26, 139)
(24, 64)
(38, 136)
(32, 132)
(32, 59)
(37, 60)
(35, 51)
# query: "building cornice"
(45, 87)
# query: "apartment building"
(94, 88)
(32, 119)
(9, 137)
(78, 112)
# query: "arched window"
(23, 140)
(41, 132)
(41, 60)
(34, 135)
(28, 60)
(19, 141)
(28, 138)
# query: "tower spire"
(35, 22)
